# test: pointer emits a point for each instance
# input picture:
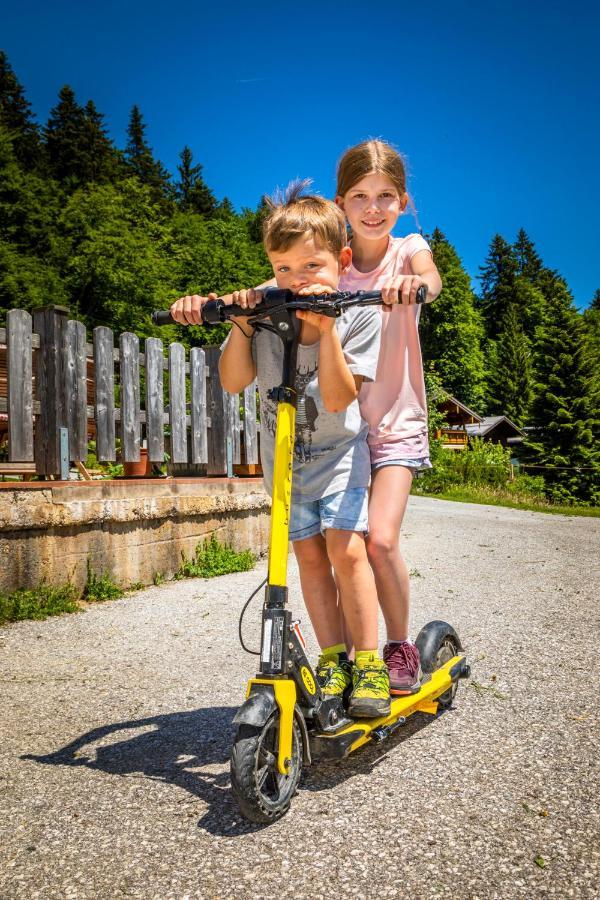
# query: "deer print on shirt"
(306, 415)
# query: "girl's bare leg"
(390, 489)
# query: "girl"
(371, 189)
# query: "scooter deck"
(361, 731)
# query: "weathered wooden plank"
(129, 348)
(20, 385)
(155, 435)
(104, 386)
(177, 403)
(198, 405)
(50, 324)
(250, 432)
(217, 461)
(232, 424)
(76, 389)
(35, 341)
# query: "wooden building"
(454, 434)
(498, 429)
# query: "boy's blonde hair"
(293, 214)
(370, 157)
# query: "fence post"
(76, 390)
(129, 364)
(20, 386)
(217, 464)
(104, 393)
(50, 323)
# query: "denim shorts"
(420, 464)
(345, 510)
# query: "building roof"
(486, 425)
(450, 399)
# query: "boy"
(305, 239)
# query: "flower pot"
(138, 469)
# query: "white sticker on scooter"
(266, 647)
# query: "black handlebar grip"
(162, 317)
(422, 294)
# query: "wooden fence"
(60, 390)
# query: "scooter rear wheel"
(438, 642)
(263, 794)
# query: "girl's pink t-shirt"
(395, 404)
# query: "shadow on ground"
(190, 749)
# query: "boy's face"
(307, 263)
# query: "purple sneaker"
(402, 660)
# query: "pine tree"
(225, 209)
(510, 380)
(529, 263)
(591, 320)
(565, 413)
(29, 207)
(193, 193)
(451, 328)
(65, 138)
(140, 160)
(17, 118)
(498, 276)
(254, 220)
(100, 161)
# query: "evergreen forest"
(110, 234)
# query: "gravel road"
(115, 728)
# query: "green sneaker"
(334, 678)
(370, 697)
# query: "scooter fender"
(263, 698)
(257, 709)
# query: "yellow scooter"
(285, 721)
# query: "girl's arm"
(237, 368)
(424, 267)
(403, 288)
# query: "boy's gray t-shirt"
(331, 452)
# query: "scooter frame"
(286, 683)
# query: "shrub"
(100, 588)
(38, 603)
(483, 463)
(213, 558)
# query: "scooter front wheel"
(263, 794)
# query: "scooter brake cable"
(241, 619)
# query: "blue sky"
(495, 105)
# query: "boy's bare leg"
(319, 590)
(390, 489)
(348, 555)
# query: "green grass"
(38, 603)
(210, 559)
(213, 558)
(99, 588)
(492, 496)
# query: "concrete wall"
(128, 529)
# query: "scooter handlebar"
(216, 311)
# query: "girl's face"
(372, 206)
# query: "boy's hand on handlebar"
(188, 310)
(402, 289)
(247, 299)
(325, 324)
